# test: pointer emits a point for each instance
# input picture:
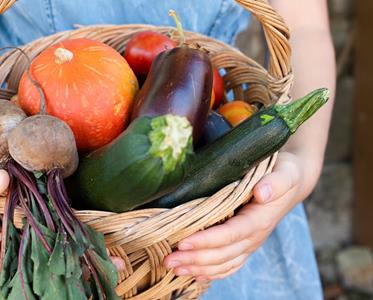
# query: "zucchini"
(230, 157)
(145, 162)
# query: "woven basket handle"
(5, 4)
(276, 33)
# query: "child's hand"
(4, 181)
(221, 250)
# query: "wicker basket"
(5, 4)
(144, 237)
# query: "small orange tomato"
(236, 111)
(212, 101)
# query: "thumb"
(4, 181)
(284, 177)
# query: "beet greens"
(54, 256)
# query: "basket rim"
(148, 229)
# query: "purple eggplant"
(215, 127)
(180, 83)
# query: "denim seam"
(49, 14)
(219, 16)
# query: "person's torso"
(31, 19)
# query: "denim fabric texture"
(284, 268)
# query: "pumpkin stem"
(42, 110)
(179, 26)
(62, 55)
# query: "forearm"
(313, 64)
(314, 67)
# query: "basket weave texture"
(143, 238)
(5, 4)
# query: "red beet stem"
(21, 253)
(22, 176)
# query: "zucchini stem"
(297, 112)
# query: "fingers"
(206, 257)
(4, 181)
(224, 275)
(118, 263)
(285, 177)
(211, 270)
(234, 230)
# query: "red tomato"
(212, 101)
(236, 111)
(218, 86)
(143, 48)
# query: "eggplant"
(215, 127)
(179, 83)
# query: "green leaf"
(107, 272)
(38, 175)
(108, 275)
(10, 262)
(81, 241)
(56, 288)
(76, 290)
(17, 293)
(97, 241)
(73, 266)
(40, 258)
(56, 261)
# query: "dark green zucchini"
(230, 157)
(145, 162)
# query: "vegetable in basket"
(54, 255)
(142, 49)
(231, 156)
(218, 88)
(10, 117)
(148, 160)
(179, 83)
(87, 84)
(236, 111)
(215, 127)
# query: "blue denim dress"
(284, 268)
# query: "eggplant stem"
(179, 26)
(42, 109)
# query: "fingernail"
(173, 264)
(181, 272)
(185, 246)
(265, 192)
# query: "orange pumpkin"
(87, 84)
(236, 111)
